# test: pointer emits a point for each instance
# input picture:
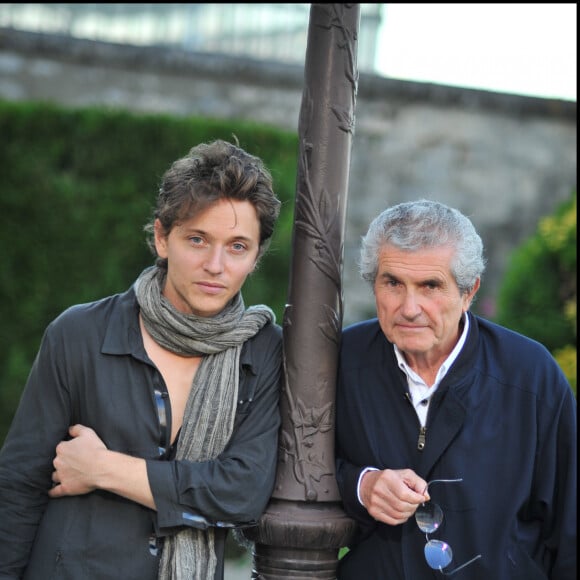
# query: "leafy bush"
(77, 187)
(538, 296)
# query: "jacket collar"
(452, 412)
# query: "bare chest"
(177, 372)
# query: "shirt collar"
(412, 375)
(123, 335)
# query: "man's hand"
(84, 464)
(76, 465)
(392, 496)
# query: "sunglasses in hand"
(429, 517)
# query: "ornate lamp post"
(304, 526)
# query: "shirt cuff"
(365, 470)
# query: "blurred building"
(275, 32)
(505, 160)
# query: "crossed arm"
(84, 464)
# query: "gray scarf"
(211, 406)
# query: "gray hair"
(415, 225)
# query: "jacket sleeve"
(235, 487)
(347, 476)
(556, 487)
(348, 471)
(40, 423)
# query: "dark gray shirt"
(92, 369)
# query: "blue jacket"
(503, 419)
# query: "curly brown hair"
(208, 173)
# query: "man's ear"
(471, 295)
(160, 239)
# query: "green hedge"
(76, 188)
(538, 296)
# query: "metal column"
(304, 525)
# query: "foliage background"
(77, 187)
(538, 296)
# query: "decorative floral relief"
(299, 446)
(318, 221)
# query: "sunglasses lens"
(429, 517)
(438, 554)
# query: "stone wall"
(504, 160)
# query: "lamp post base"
(299, 540)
